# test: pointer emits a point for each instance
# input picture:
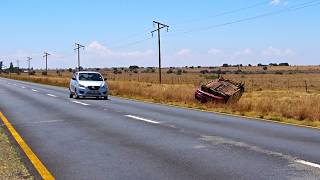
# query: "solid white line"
(142, 119)
(77, 102)
(308, 163)
(51, 95)
(23, 87)
(34, 90)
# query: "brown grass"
(275, 104)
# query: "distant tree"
(134, 67)
(225, 65)
(1, 64)
(199, 67)
(261, 65)
(249, 65)
(265, 68)
(284, 64)
(273, 64)
(70, 69)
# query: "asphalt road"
(123, 139)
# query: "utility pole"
(159, 27)
(18, 64)
(78, 47)
(46, 54)
(29, 60)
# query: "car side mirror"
(73, 78)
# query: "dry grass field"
(286, 97)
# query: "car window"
(90, 77)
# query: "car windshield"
(90, 77)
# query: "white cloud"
(275, 2)
(95, 48)
(183, 52)
(278, 2)
(214, 51)
(244, 52)
(275, 52)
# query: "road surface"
(123, 139)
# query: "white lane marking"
(23, 87)
(308, 163)
(9, 83)
(15, 84)
(34, 90)
(142, 119)
(77, 102)
(52, 95)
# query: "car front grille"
(94, 87)
(93, 92)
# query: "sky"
(116, 33)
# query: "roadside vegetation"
(11, 166)
(290, 96)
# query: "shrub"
(170, 71)
(179, 72)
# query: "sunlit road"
(123, 139)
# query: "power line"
(224, 13)
(159, 27)
(78, 47)
(293, 8)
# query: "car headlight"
(103, 85)
(80, 85)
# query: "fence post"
(306, 85)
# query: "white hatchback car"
(88, 84)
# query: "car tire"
(70, 95)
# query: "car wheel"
(70, 95)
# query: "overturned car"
(220, 90)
